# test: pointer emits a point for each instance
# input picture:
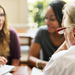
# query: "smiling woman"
(9, 40)
(44, 37)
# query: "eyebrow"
(52, 15)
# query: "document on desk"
(36, 71)
(6, 69)
(7, 74)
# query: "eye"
(2, 14)
(52, 19)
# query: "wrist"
(39, 64)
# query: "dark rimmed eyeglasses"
(2, 15)
(60, 30)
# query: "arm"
(14, 62)
(33, 57)
(15, 48)
(62, 47)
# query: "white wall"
(17, 12)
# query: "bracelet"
(40, 64)
(37, 65)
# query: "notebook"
(36, 71)
(6, 69)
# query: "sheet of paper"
(8, 74)
(6, 68)
(36, 71)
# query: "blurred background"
(26, 13)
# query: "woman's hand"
(43, 64)
(3, 61)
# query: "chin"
(51, 31)
(0, 28)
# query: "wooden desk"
(22, 70)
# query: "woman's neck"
(56, 36)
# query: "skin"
(2, 19)
(52, 25)
(3, 61)
(15, 62)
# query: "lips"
(0, 25)
(49, 28)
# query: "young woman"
(9, 41)
(47, 38)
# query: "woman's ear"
(73, 30)
(72, 37)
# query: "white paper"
(36, 71)
(8, 74)
(6, 68)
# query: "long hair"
(4, 37)
(57, 8)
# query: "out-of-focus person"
(9, 41)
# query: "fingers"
(3, 61)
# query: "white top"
(61, 63)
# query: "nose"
(0, 18)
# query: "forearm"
(35, 62)
(15, 62)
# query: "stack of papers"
(6, 68)
(36, 71)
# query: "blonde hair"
(69, 9)
(4, 38)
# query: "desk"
(22, 70)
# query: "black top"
(42, 38)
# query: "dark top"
(15, 52)
(42, 38)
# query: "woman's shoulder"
(13, 30)
(43, 28)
